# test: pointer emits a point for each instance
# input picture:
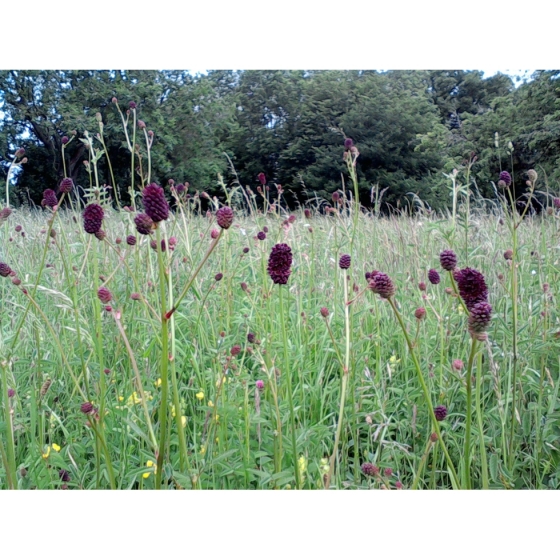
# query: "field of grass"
(254, 385)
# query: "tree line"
(412, 129)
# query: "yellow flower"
(184, 421)
(200, 395)
(134, 399)
(217, 440)
(121, 399)
(56, 447)
(217, 417)
(202, 449)
(173, 410)
(150, 465)
(158, 382)
(302, 463)
(210, 404)
(47, 452)
(393, 359)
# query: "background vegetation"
(410, 127)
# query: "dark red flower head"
(307, 213)
(66, 185)
(433, 276)
(505, 177)
(380, 283)
(144, 224)
(104, 295)
(448, 260)
(369, 469)
(440, 412)
(348, 143)
(4, 270)
(261, 235)
(262, 178)
(279, 263)
(131, 240)
(155, 203)
(64, 475)
(87, 408)
(49, 196)
(224, 217)
(472, 287)
(93, 218)
(479, 317)
(344, 261)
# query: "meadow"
(186, 357)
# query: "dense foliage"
(411, 128)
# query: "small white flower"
(242, 231)
(533, 272)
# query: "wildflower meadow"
(185, 341)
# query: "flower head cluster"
(380, 283)
(479, 318)
(144, 224)
(369, 469)
(344, 261)
(279, 263)
(49, 198)
(224, 217)
(440, 412)
(5, 270)
(66, 185)
(93, 218)
(448, 260)
(472, 286)
(433, 276)
(505, 177)
(155, 203)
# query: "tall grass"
(230, 439)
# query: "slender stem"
(164, 364)
(483, 458)
(11, 463)
(467, 451)
(345, 375)
(435, 422)
(288, 375)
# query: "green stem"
(483, 458)
(11, 462)
(467, 451)
(288, 375)
(345, 375)
(453, 473)
(164, 364)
